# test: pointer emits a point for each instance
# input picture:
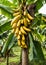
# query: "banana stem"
(23, 7)
(19, 2)
(24, 2)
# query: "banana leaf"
(39, 4)
(6, 45)
(36, 52)
(6, 8)
(5, 27)
(13, 42)
(39, 50)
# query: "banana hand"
(17, 31)
(22, 30)
(15, 19)
(23, 37)
(29, 16)
(19, 23)
(16, 14)
(22, 21)
(25, 22)
(19, 42)
(23, 43)
(14, 25)
(18, 37)
(26, 29)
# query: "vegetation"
(21, 24)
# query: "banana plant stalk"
(25, 51)
(7, 58)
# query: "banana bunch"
(20, 26)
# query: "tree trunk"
(7, 60)
(25, 52)
(25, 56)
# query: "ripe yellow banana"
(19, 42)
(14, 25)
(13, 30)
(15, 19)
(16, 10)
(16, 14)
(25, 22)
(23, 43)
(18, 37)
(25, 13)
(20, 33)
(28, 20)
(22, 21)
(25, 46)
(17, 31)
(29, 16)
(22, 30)
(23, 37)
(19, 23)
(22, 46)
(26, 29)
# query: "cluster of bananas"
(20, 25)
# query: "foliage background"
(38, 29)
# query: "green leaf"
(31, 48)
(44, 31)
(7, 3)
(37, 20)
(37, 35)
(5, 47)
(30, 1)
(7, 11)
(5, 27)
(13, 42)
(42, 26)
(39, 50)
(39, 4)
(3, 19)
(36, 48)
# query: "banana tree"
(32, 37)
